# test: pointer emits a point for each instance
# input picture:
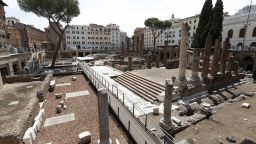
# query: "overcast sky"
(128, 14)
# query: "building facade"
(95, 38)
(10, 21)
(242, 36)
(31, 37)
(4, 36)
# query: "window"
(194, 21)
(68, 37)
(67, 32)
(82, 37)
(73, 32)
(77, 32)
(242, 33)
(189, 22)
(82, 32)
(230, 33)
(254, 32)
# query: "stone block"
(85, 137)
(156, 111)
(74, 78)
(27, 139)
(58, 109)
(245, 105)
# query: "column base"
(110, 142)
(166, 125)
(195, 80)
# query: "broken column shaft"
(195, 67)
(216, 57)
(103, 116)
(207, 54)
(166, 121)
(224, 55)
(182, 82)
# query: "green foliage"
(203, 26)
(217, 20)
(56, 10)
(157, 27)
(155, 23)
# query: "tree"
(217, 20)
(55, 11)
(203, 25)
(157, 27)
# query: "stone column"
(166, 121)
(178, 50)
(171, 53)
(103, 116)
(11, 68)
(158, 61)
(181, 81)
(1, 80)
(148, 63)
(216, 57)
(207, 54)
(165, 52)
(130, 63)
(195, 80)
(19, 65)
(224, 55)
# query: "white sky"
(128, 14)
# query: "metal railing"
(138, 114)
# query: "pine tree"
(202, 30)
(217, 19)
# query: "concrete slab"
(77, 94)
(13, 103)
(59, 119)
(63, 84)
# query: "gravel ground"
(86, 114)
(228, 121)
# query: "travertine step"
(142, 87)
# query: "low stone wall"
(19, 78)
(172, 64)
(43, 89)
(121, 67)
(111, 64)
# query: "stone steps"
(137, 91)
(142, 87)
(159, 86)
(142, 84)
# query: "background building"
(235, 27)
(95, 38)
(10, 21)
(4, 36)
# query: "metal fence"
(121, 99)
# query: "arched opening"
(254, 32)
(253, 46)
(242, 33)
(239, 46)
(230, 33)
(247, 63)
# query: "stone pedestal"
(206, 58)
(166, 121)
(216, 58)
(103, 116)
(195, 80)
(181, 82)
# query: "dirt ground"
(86, 115)
(229, 121)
